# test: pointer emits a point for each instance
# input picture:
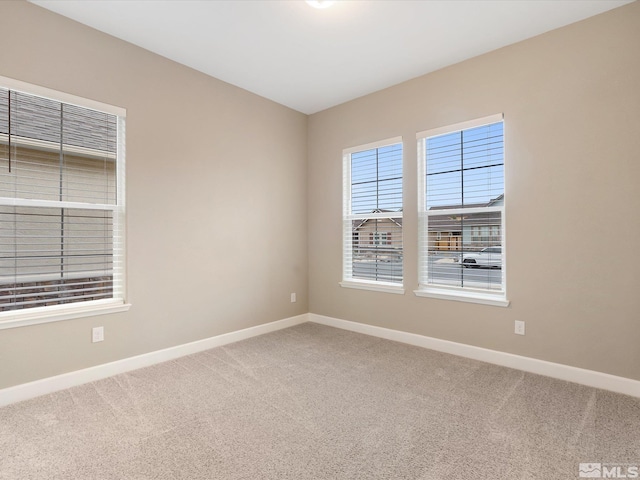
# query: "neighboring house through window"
(61, 206)
(372, 217)
(461, 212)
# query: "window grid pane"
(376, 180)
(377, 249)
(465, 250)
(466, 168)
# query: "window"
(372, 220)
(381, 238)
(61, 206)
(461, 192)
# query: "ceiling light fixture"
(320, 3)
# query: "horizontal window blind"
(54, 151)
(61, 211)
(376, 180)
(462, 207)
(373, 249)
(63, 254)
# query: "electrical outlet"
(519, 328)
(293, 298)
(97, 334)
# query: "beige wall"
(216, 184)
(571, 101)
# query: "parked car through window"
(489, 257)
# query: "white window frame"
(52, 313)
(347, 248)
(463, 294)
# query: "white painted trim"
(372, 145)
(463, 296)
(67, 380)
(589, 378)
(50, 277)
(34, 203)
(582, 376)
(39, 91)
(55, 147)
(56, 313)
(373, 286)
(372, 216)
(435, 211)
(457, 127)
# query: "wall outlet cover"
(97, 334)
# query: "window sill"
(34, 316)
(374, 286)
(496, 300)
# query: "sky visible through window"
(376, 180)
(465, 169)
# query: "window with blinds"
(461, 208)
(372, 220)
(61, 204)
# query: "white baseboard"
(45, 386)
(582, 376)
(555, 370)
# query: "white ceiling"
(311, 59)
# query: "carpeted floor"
(313, 402)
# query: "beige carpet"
(313, 402)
